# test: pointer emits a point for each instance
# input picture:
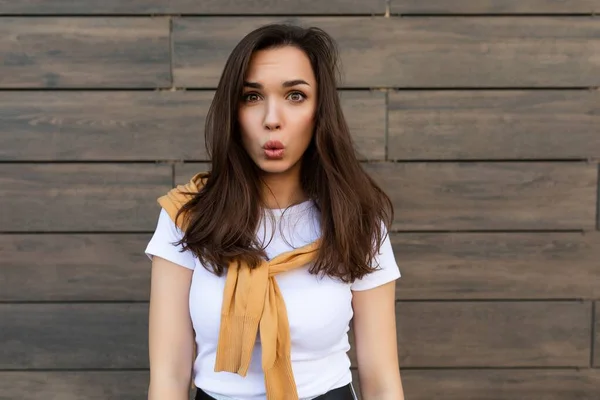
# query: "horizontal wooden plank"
(494, 7)
(90, 7)
(510, 384)
(74, 385)
(139, 126)
(58, 267)
(492, 334)
(561, 384)
(84, 52)
(480, 196)
(416, 52)
(499, 384)
(99, 126)
(365, 113)
(81, 197)
(494, 196)
(74, 336)
(185, 172)
(596, 355)
(498, 265)
(431, 334)
(493, 125)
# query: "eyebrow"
(291, 83)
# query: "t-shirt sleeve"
(162, 243)
(388, 268)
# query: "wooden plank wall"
(480, 118)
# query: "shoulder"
(174, 199)
(387, 267)
(165, 243)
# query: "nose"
(272, 119)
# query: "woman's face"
(277, 109)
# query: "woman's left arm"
(374, 326)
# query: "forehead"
(280, 64)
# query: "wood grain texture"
(494, 125)
(499, 384)
(416, 52)
(100, 126)
(145, 7)
(57, 267)
(480, 196)
(492, 334)
(494, 6)
(74, 336)
(494, 196)
(365, 113)
(84, 52)
(596, 355)
(510, 384)
(141, 126)
(74, 385)
(81, 197)
(185, 172)
(561, 384)
(541, 265)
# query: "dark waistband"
(341, 393)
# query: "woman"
(259, 265)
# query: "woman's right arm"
(170, 333)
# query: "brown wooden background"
(480, 118)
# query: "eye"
(297, 97)
(250, 97)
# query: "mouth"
(274, 149)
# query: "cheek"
(305, 124)
(247, 125)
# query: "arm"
(374, 326)
(170, 333)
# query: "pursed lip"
(273, 145)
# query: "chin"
(274, 166)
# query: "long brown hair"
(221, 219)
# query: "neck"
(282, 190)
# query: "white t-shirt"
(319, 309)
